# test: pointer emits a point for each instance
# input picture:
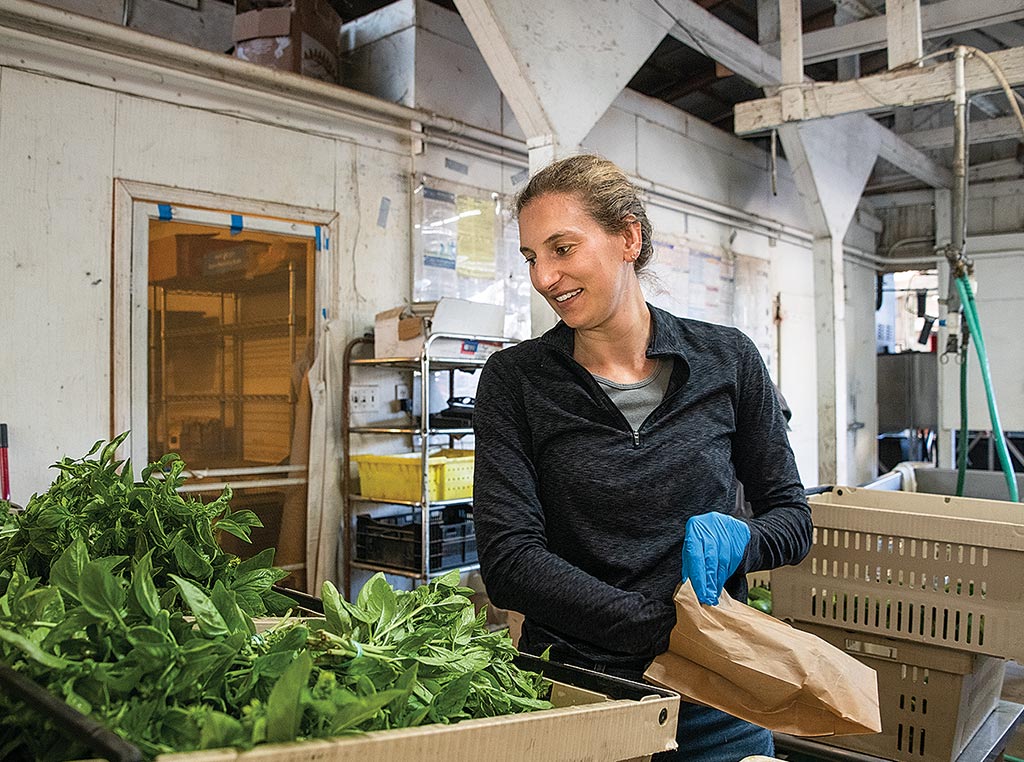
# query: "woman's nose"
(544, 273)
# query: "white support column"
(830, 325)
(831, 160)
(564, 93)
(903, 31)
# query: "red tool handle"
(5, 476)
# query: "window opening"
(229, 340)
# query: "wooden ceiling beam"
(707, 34)
(880, 92)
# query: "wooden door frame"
(129, 277)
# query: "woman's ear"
(632, 237)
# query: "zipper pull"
(636, 439)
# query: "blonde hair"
(604, 190)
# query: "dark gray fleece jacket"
(580, 522)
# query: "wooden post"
(903, 30)
(791, 43)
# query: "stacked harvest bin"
(926, 590)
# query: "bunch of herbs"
(96, 500)
(103, 611)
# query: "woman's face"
(582, 271)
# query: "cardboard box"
(595, 718)
(300, 36)
(926, 568)
(404, 331)
(201, 255)
(932, 699)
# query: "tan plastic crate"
(760, 579)
(926, 568)
(397, 477)
(932, 699)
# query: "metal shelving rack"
(424, 365)
(231, 331)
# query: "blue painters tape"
(164, 211)
(456, 166)
(318, 245)
(323, 312)
(383, 211)
(236, 224)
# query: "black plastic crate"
(395, 540)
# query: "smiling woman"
(608, 450)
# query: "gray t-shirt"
(638, 400)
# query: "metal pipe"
(958, 202)
(959, 195)
(425, 459)
(346, 552)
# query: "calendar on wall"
(466, 245)
(704, 282)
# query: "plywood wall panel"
(55, 212)
(191, 148)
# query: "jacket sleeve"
(781, 529)
(518, 570)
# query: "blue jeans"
(708, 735)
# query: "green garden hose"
(961, 461)
(963, 287)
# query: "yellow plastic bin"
(397, 477)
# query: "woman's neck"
(617, 349)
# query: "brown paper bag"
(758, 668)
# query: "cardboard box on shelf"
(201, 255)
(403, 331)
(299, 36)
(917, 567)
(932, 699)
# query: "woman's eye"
(531, 261)
(561, 250)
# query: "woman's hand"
(712, 550)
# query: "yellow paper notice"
(475, 239)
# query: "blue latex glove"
(712, 550)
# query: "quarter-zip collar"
(666, 340)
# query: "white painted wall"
(55, 213)
(1000, 302)
(62, 144)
